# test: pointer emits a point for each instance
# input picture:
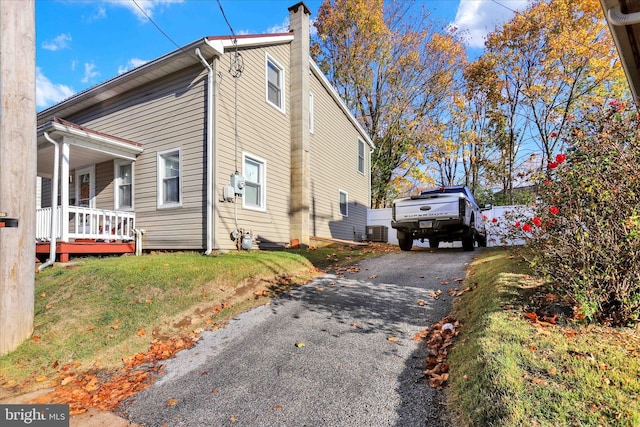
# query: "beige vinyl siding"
(164, 114)
(263, 131)
(334, 168)
(104, 186)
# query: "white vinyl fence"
(498, 230)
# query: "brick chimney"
(299, 113)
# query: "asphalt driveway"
(336, 352)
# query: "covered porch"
(87, 193)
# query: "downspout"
(211, 184)
(54, 204)
(617, 17)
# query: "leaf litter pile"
(82, 391)
(438, 338)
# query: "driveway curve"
(336, 352)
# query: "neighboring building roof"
(623, 17)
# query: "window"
(124, 185)
(169, 177)
(275, 84)
(360, 156)
(310, 113)
(344, 203)
(255, 172)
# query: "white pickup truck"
(444, 215)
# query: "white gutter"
(211, 180)
(54, 204)
(616, 17)
(98, 142)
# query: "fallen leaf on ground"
(172, 402)
(438, 338)
(392, 339)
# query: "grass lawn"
(510, 368)
(99, 317)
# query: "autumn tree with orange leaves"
(552, 64)
(396, 73)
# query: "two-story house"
(225, 141)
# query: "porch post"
(64, 191)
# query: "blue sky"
(81, 43)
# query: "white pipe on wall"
(617, 17)
(54, 204)
(210, 143)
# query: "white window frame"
(311, 117)
(362, 160)
(281, 79)
(262, 182)
(160, 186)
(117, 182)
(346, 203)
(91, 170)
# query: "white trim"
(282, 80)
(160, 176)
(91, 170)
(311, 113)
(262, 182)
(267, 40)
(346, 195)
(101, 143)
(116, 184)
(364, 157)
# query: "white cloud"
(89, 72)
(476, 19)
(147, 6)
(100, 13)
(48, 93)
(282, 27)
(59, 42)
(131, 64)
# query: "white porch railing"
(86, 223)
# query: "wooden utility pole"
(18, 171)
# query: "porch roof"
(88, 146)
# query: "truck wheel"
(467, 241)
(405, 242)
(434, 243)
(482, 241)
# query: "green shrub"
(587, 225)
